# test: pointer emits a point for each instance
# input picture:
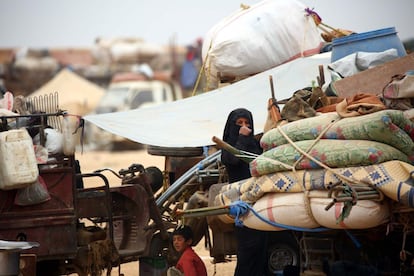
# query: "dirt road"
(93, 160)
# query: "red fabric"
(191, 264)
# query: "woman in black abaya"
(252, 244)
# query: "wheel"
(281, 255)
(174, 151)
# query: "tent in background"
(75, 94)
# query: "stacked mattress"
(303, 162)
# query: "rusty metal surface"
(28, 265)
(131, 218)
(50, 223)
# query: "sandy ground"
(94, 160)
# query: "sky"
(77, 23)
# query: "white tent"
(192, 122)
(75, 94)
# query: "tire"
(175, 151)
(281, 255)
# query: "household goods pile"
(334, 170)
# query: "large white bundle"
(365, 214)
(124, 51)
(258, 38)
(296, 210)
(282, 208)
(33, 63)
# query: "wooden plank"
(372, 81)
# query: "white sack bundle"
(258, 38)
(295, 210)
(53, 143)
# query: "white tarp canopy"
(193, 121)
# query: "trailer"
(83, 230)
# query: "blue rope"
(353, 239)
(237, 210)
(240, 208)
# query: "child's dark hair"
(185, 231)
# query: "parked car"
(131, 91)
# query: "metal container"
(373, 41)
(10, 256)
(9, 262)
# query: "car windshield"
(141, 97)
(115, 96)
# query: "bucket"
(18, 165)
(10, 256)
(374, 41)
(9, 262)
(152, 266)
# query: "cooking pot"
(10, 256)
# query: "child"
(190, 264)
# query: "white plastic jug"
(18, 166)
(69, 125)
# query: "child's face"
(180, 243)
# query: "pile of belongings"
(30, 136)
(344, 164)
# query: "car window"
(141, 97)
(115, 96)
(113, 100)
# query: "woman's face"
(243, 122)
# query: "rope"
(203, 65)
(308, 206)
(249, 155)
(348, 179)
(345, 179)
(240, 208)
(302, 45)
(353, 238)
(315, 141)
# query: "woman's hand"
(244, 130)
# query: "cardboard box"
(373, 81)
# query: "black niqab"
(231, 130)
